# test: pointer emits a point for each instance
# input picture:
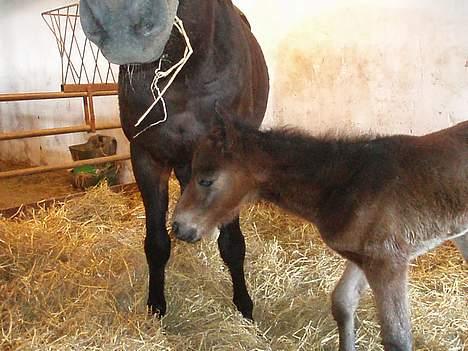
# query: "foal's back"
(430, 194)
(410, 195)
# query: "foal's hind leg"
(462, 244)
(231, 245)
(389, 282)
(152, 179)
(345, 299)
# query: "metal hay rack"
(84, 68)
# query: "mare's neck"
(202, 21)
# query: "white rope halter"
(158, 74)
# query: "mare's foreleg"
(231, 245)
(152, 179)
(345, 300)
(389, 282)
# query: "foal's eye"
(205, 183)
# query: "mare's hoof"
(244, 306)
(248, 316)
(156, 310)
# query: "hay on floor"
(74, 277)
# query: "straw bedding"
(74, 277)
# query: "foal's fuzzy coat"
(378, 202)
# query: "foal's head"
(219, 185)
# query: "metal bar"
(55, 131)
(59, 8)
(60, 14)
(94, 87)
(51, 95)
(86, 110)
(43, 169)
(92, 117)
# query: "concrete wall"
(388, 66)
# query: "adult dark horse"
(227, 69)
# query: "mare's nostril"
(175, 227)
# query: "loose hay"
(74, 277)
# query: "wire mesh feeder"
(84, 68)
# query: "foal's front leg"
(152, 179)
(345, 300)
(389, 282)
(231, 245)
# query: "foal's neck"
(299, 172)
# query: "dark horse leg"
(231, 246)
(152, 179)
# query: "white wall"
(388, 66)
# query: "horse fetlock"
(398, 345)
(157, 251)
(244, 305)
(342, 312)
(157, 308)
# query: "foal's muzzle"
(184, 232)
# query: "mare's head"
(219, 185)
(129, 31)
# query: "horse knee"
(347, 293)
(342, 309)
(158, 250)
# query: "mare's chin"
(133, 58)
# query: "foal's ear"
(223, 130)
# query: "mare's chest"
(173, 125)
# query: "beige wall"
(385, 66)
(354, 65)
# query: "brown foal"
(377, 201)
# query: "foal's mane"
(331, 157)
(292, 138)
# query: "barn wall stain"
(365, 66)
